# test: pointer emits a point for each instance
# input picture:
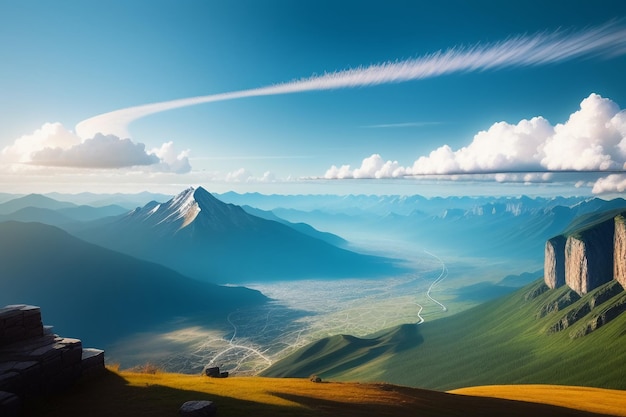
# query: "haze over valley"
(185, 325)
(392, 198)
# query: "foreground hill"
(516, 339)
(130, 394)
(204, 238)
(100, 294)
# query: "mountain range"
(204, 238)
(39, 208)
(494, 227)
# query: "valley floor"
(161, 394)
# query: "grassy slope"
(597, 400)
(498, 342)
(132, 394)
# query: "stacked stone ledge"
(34, 361)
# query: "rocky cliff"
(588, 255)
(554, 262)
(590, 260)
(619, 251)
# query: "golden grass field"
(603, 401)
(122, 394)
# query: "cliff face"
(576, 261)
(619, 255)
(554, 262)
(589, 257)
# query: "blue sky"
(68, 62)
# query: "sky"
(298, 97)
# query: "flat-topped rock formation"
(590, 260)
(554, 262)
(34, 361)
(619, 250)
(588, 257)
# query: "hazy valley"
(402, 269)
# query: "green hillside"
(511, 340)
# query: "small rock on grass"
(198, 409)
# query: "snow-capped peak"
(183, 206)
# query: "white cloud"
(371, 167)
(268, 176)
(239, 175)
(243, 175)
(98, 152)
(607, 41)
(54, 146)
(614, 183)
(50, 135)
(340, 173)
(170, 161)
(593, 139)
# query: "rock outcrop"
(619, 254)
(591, 260)
(34, 361)
(554, 262)
(589, 257)
(197, 409)
(583, 315)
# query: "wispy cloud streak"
(604, 41)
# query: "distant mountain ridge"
(301, 227)
(40, 208)
(498, 227)
(127, 200)
(382, 205)
(33, 200)
(202, 237)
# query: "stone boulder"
(198, 409)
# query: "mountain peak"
(202, 196)
(183, 206)
(191, 206)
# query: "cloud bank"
(98, 152)
(593, 139)
(243, 175)
(604, 41)
(54, 146)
